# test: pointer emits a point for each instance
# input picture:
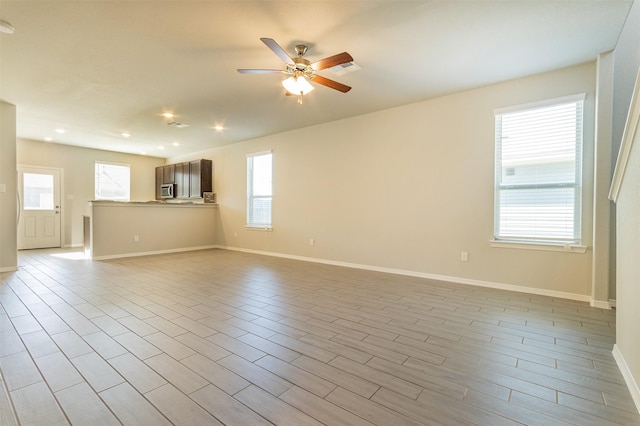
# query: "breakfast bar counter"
(124, 229)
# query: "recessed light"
(175, 144)
(168, 115)
(161, 147)
(143, 153)
(218, 127)
(61, 131)
(125, 135)
(48, 139)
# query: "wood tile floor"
(220, 337)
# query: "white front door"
(39, 204)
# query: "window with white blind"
(259, 190)
(112, 181)
(539, 172)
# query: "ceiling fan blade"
(331, 83)
(332, 61)
(275, 48)
(259, 71)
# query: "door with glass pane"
(39, 204)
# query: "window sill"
(258, 228)
(567, 248)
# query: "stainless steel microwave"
(167, 190)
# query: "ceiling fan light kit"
(298, 86)
(300, 72)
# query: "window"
(38, 191)
(112, 181)
(539, 172)
(259, 190)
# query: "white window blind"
(539, 171)
(112, 181)
(259, 190)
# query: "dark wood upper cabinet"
(182, 179)
(191, 179)
(159, 182)
(168, 173)
(200, 178)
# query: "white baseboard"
(459, 280)
(600, 304)
(73, 245)
(8, 269)
(628, 377)
(149, 253)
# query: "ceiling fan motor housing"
(301, 49)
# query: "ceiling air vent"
(177, 124)
(346, 68)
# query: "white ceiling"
(99, 68)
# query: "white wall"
(628, 317)
(8, 242)
(627, 60)
(628, 209)
(407, 189)
(78, 165)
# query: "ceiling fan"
(301, 71)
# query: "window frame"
(251, 223)
(96, 182)
(574, 243)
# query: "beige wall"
(8, 256)
(627, 66)
(628, 218)
(603, 290)
(628, 209)
(407, 189)
(78, 165)
(133, 229)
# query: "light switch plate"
(3, 187)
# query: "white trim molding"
(458, 280)
(149, 253)
(629, 135)
(567, 248)
(601, 304)
(8, 269)
(73, 245)
(628, 377)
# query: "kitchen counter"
(153, 203)
(137, 228)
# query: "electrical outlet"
(3, 187)
(312, 241)
(136, 238)
(235, 235)
(464, 256)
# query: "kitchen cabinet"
(168, 173)
(200, 178)
(164, 175)
(182, 179)
(191, 179)
(158, 182)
